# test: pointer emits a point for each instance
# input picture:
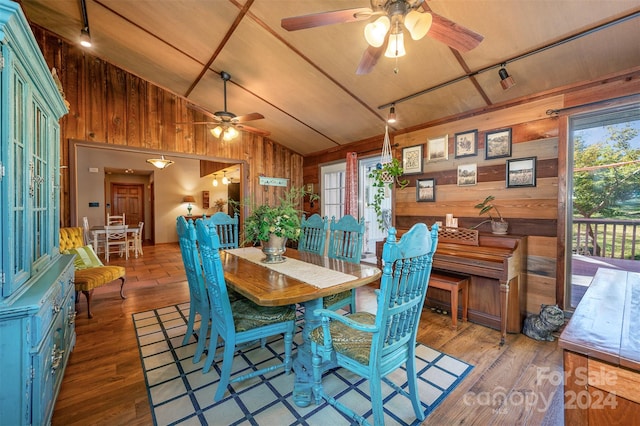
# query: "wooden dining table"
(303, 278)
(98, 230)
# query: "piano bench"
(454, 284)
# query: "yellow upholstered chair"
(90, 273)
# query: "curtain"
(351, 185)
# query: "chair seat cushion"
(335, 298)
(90, 278)
(247, 315)
(347, 341)
(85, 257)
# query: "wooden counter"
(602, 352)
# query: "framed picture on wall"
(412, 159)
(466, 144)
(438, 148)
(521, 172)
(467, 174)
(498, 144)
(425, 190)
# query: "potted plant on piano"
(498, 224)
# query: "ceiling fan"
(227, 123)
(385, 33)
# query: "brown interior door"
(128, 199)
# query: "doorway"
(128, 199)
(603, 214)
(374, 231)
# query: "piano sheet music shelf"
(497, 267)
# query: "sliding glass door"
(603, 223)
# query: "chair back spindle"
(374, 346)
(226, 228)
(313, 234)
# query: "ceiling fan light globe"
(230, 133)
(418, 24)
(375, 32)
(395, 47)
(217, 131)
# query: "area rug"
(179, 393)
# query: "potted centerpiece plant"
(384, 176)
(498, 224)
(273, 225)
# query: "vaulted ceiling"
(304, 82)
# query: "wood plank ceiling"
(304, 82)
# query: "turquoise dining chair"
(313, 234)
(345, 243)
(198, 298)
(374, 345)
(241, 321)
(227, 229)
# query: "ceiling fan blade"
(325, 18)
(200, 122)
(370, 57)
(250, 129)
(453, 35)
(247, 117)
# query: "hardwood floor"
(518, 383)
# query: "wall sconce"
(215, 180)
(161, 163)
(391, 118)
(189, 199)
(85, 35)
(506, 81)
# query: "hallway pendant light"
(215, 180)
(225, 179)
(160, 163)
(506, 81)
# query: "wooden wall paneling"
(152, 123)
(96, 93)
(614, 86)
(116, 106)
(136, 110)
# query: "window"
(333, 189)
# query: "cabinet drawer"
(48, 365)
(52, 304)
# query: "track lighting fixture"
(506, 81)
(391, 118)
(85, 35)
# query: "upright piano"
(497, 267)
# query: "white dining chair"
(116, 239)
(116, 219)
(134, 243)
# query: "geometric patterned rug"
(180, 394)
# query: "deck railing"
(610, 238)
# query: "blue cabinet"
(37, 310)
